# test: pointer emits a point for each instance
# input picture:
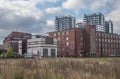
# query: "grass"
(61, 68)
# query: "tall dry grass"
(59, 69)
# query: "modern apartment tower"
(64, 23)
(109, 26)
(96, 19)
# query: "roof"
(15, 34)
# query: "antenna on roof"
(16, 28)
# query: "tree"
(9, 52)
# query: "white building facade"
(41, 46)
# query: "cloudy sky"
(37, 16)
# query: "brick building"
(108, 44)
(13, 38)
(87, 42)
(90, 42)
(72, 42)
(67, 42)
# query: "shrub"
(3, 55)
(9, 52)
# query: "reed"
(61, 68)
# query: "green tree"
(9, 52)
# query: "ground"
(60, 68)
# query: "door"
(53, 53)
(45, 52)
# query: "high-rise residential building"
(96, 19)
(64, 23)
(109, 26)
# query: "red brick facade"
(90, 42)
(87, 42)
(13, 38)
(108, 44)
(69, 44)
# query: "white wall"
(20, 47)
(34, 50)
(38, 44)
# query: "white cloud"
(22, 7)
(53, 10)
(79, 20)
(51, 1)
(50, 23)
(22, 13)
(74, 4)
(25, 14)
(96, 4)
(114, 15)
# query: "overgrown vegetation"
(9, 54)
(63, 68)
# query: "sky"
(37, 16)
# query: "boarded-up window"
(49, 40)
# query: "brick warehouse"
(108, 44)
(13, 38)
(87, 42)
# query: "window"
(105, 40)
(114, 40)
(96, 39)
(102, 40)
(81, 44)
(62, 33)
(111, 41)
(67, 32)
(99, 45)
(111, 36)
(53, 53)
(108, 40)
(99, 39)
(55, 39)
(54, 34)
(45, 52)
(58, 33)
(81, 38)
(103, 35)
(58, 38)
(67, 43)
(99, 34)
(67, 38)
(96, 34)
